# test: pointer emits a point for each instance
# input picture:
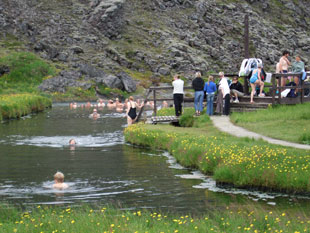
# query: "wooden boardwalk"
(163, 119)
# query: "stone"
(4, 70)
(77, 49)
(90, 70)
(164, 71)
(129, 84)
(111, 81)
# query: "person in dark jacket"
(236, 89)
(198, 85)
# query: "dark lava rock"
(4, 70)
(129, 84)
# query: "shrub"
(187, 120)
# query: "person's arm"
(287, 61)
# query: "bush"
(187, 120)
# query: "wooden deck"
(163, 119)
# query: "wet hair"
(59, 176)
(131, 98)
(71, 140)
(285, 52)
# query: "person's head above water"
(59, 177)
(59, 181)
(72, 142)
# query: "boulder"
(129, 84)
(4, 70)
(110, 81)
(90, 70)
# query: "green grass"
(109, 219)
(242, 162)
(27, 72)
(17, 105)
(291, 123)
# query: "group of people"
(228, 91)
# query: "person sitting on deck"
(59, 181)
(297, 67)
(236, 89)
(256, 80)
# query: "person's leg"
(227, 105)
(196, 99)
(129, 121)
(211, 105)
(175, 101)
(200, 106)
(181, 101)
(208, 104)
(261, 83)
(253, 86)
(283, 81)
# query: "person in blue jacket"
(210, 89)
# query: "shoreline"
(237, 162)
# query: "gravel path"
(224, 124)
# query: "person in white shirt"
(224, 87)
(178, 93)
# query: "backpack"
(291, 93)
(249, 65)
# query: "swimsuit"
(254, 77)
(132, 113)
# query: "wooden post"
(155, 107)
(279, 90)
(246, 36)
(273, 79)
(246, 50)
(302, 89)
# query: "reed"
(242, 162)
(109, 219)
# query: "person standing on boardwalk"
(283, 66)
(256, 80)
(210, 89)
(178, 93)
(224, 87)
(198, 85)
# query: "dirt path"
(224, 124)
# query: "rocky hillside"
(111, 41)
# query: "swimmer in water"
(72, 142)
(59, 181)
(95, 114)
(101, 104)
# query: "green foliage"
(305, 138)
(109, 219)
(283, 122)
(26, 73)
(242, 162)
(186, 120)
(75, 94)
(104, 90)
(17, 105)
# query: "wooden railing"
(273, 88)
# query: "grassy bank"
(17, 105)
(291, 123)
(242, 162)
(86, 219)
(19, 94)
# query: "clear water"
(103, 169)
